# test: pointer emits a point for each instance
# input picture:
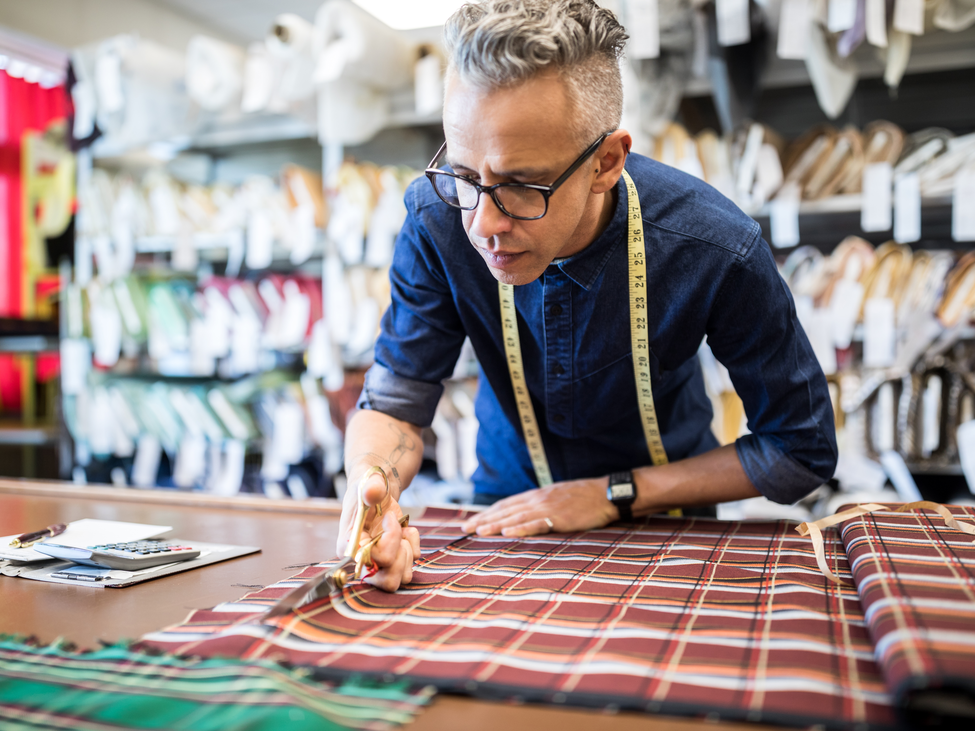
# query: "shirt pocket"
(606, 398)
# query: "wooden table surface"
(290, 534)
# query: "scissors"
(335, 577)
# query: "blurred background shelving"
(223, 273)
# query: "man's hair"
(501, 43)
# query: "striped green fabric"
(116, 688)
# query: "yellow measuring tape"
(639, 333)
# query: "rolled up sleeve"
(754, 331)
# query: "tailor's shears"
(334, 578)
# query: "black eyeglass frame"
(545, 190)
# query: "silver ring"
(548, 522)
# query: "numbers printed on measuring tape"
(639, 329)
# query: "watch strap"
(623, 503)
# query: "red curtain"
(23, 107)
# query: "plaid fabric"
(683, 616)
(115, 688)
(916, 581)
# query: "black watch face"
(621, 491)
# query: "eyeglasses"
(524, 201)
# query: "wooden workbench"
(291, 534)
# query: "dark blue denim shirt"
(709, 274)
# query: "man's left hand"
(571, 506)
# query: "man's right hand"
(397, 549)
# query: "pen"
(29, 539)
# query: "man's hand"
(398, 548)
(571, 506)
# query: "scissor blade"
(314, 588)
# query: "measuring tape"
(640, 339)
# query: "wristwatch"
(622, 492)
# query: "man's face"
(520, 135)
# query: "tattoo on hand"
(405, 444)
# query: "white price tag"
(909, 16)
(784, 216)
(145, 467)
(288, 443)
(428, 85)
(190, 461)
(202, 362)
(900, 476)
(75, 363)
(302, 233)
(907, 208)
(875, 214)
(931, 416)
(467, 441)
(878, 332)
(322, 359)
(296, 488)
(841, 16)
(294, 317)
(844, 308)
(794, 29)
(338, 300)
(643, 24)
(963, 205)
(219, 318)
(245, 345)
(106, 331)
(818, 326)
(185, 256)
(260, 240)
(876, 22)
(966, 451)
(231, 475)
(734, 25)
(446, 449)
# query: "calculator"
(130, 556)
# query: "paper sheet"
(83, 533)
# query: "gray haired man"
(612, 269)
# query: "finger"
(413, 536)
(373, 490)
(501, 509)
(530, 528)
(390, 578)
(407, 549)
(515, 518)
(384, 552)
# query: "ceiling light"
(408, 15)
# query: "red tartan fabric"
(684, 616)
(916, 581)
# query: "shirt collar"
(586, 266)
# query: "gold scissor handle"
(362, 508)
(364, 555)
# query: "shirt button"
(558, 418)
(557, 369)
(555, 310)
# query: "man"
(535, 197)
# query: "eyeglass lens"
(512, 199)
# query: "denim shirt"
(709, 273)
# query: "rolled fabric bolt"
(214, 72)
(291, 39)
(354, 46)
